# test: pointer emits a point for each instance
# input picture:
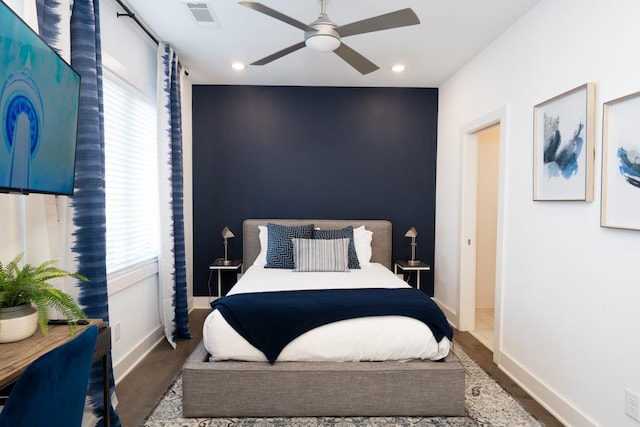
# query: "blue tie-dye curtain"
(49, 22)
(89, 197)
(173, 276)
(88, 202)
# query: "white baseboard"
(451, 315)
(552, 402)
(131, 360)
(203, 302)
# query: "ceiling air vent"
(202, 13)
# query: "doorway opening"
(488, 150)
(481, 229)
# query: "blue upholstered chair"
(52, 390)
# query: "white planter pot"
(18, 323)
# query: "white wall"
(133, 298)
(27, 223)
(569, 287)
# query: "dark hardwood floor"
(140, 391)
(484, 358)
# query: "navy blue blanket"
(270, 320)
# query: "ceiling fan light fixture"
(398, 68)
(322, 42)
(238, 66)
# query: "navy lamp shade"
(412, 233)
(226, 234)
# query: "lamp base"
(413, 262)
(226, 261)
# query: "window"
(131, 176)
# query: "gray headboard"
(380, 244)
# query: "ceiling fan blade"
(399, 18)
(279, 54)
(277, 15)
(357, 61)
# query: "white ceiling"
(451, 32)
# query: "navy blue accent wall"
(312, 152)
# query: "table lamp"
(226, 234)
(412, 232)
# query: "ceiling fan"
(324, 35)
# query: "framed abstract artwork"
(621, 163)
(563, 146)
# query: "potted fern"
(25, 299)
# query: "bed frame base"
(291, 389)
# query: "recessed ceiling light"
(398, 68)
(238, 66)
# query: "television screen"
(39, 95)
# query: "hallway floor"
(484, 327)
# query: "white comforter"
(377, 338)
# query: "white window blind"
(131, 177)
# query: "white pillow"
(263, 236)
(362, 241)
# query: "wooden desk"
(16, 356)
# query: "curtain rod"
(129, 14)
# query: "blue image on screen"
(39, 110)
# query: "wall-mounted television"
(39, 95)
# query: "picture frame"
(620, 204)
(564, 151)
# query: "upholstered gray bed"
(254, 389)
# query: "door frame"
(468, 208)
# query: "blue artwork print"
(561, 159)
(551, 138)
(630, 166)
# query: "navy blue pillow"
(279, 245)
(345, 233)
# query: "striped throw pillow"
(320, 254)
(345, 233)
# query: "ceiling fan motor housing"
(325, 38)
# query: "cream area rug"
(487, 404)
